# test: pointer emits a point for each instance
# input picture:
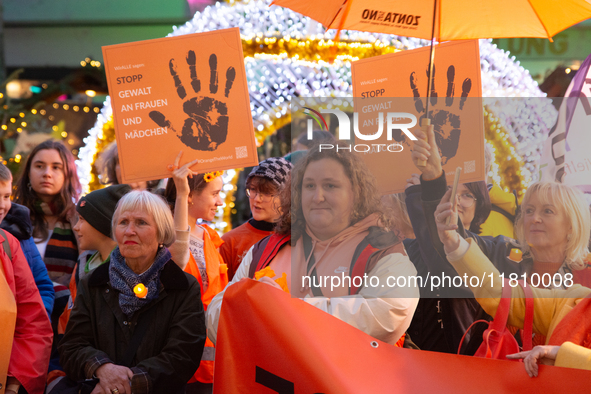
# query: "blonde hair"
(572, 202)
(144, 201)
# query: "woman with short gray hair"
(114, 314)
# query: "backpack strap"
(311, 261)
(5, 244)
(265, 250)
(359, 263)
(357, 268)
(502, 315)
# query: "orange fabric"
(321, 354)
(31, 345)
(63, 321)
(456, 20)
(217, 274)
(204, 373)
(400, 342)
(545, 268)
(7, 324)
(236, 244)
(583, 277)
(575, 327)
(213, 265)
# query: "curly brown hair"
(283, 225)
(366, 198)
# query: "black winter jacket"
(99, 332)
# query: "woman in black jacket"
(140, 290)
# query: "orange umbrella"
(455, 20)
(445, 20)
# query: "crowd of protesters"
(85, 277)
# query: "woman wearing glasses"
(552, 242)
(262, 188)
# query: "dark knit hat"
(276, 169)
(97, 207)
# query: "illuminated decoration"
(89, 62)
(506, 161)
(99, 136)
(287, 55)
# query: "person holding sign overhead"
(196, 196)
(553, 231)
(559, 315)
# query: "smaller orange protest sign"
(184, 93)
(285, 345)
(389, 94)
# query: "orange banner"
(269, 342)
(184, 93)
(380, 83)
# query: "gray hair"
(144, 201)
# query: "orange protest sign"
(394, 84)
(285, 345)
(184, 93)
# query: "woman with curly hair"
(337, 228)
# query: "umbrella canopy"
(456, 19)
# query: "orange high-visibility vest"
(218, 279)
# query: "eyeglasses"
(253, 193)
(466, 200)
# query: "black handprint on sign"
(447, 124)
(207, 125)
